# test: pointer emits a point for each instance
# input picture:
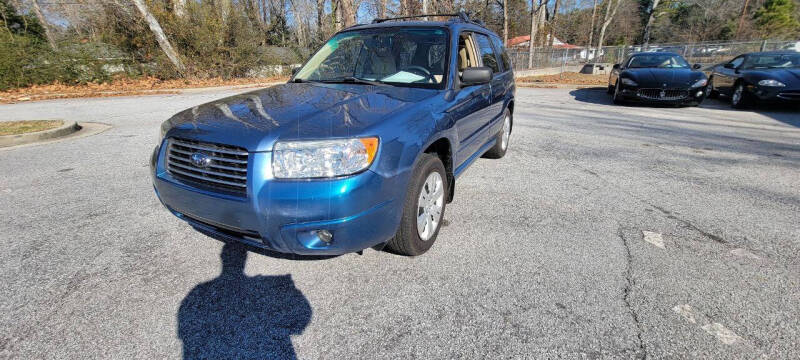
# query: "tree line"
(75, 40)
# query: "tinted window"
(738, 61)
(658, 61)
(772, 61)
(503, 53)
(487, 52)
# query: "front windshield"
(772, 61)
(395, 56)
(658, 61)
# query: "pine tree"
(776, 18)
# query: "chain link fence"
(702, 53)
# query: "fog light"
(325, 236)
(699, 93)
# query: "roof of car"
(453, 24)
(776, 52)
(656, 53)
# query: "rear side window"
(487, 52)
(503, 53)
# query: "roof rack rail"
(460, 16)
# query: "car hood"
(663, 78)
(293, 111)
(790, 77)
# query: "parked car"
(657, 77)
(363, 146)
(760, 77)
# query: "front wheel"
(501, 139)
(740, 98)
(423, 209)
(616, 98)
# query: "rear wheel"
(423, 209)
(501, 139)
(740, 98)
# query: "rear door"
(489, 59)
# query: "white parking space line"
(723, 334)
(654, 238)
(744, 253)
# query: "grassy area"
(571, 78)
(123, 87)
(27, 126)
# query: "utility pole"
(741, 18)
(505, 22)
(591, 30)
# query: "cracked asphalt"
(542, 256)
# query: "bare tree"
(553, 24)
(381, 8)
(45, 25)
(649, 24)
(163, 42)
(535, 24)
(741, 17)
(321, 19)
(348, 13)
(607, 18)
(591, 30)
(179, 8)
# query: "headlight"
(325, 158)
(629, 82)
(699, 83)
(771, 82)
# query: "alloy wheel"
(737, 95)
(429, 206)
(506, 132)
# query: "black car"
(761, 77)
(657, 77)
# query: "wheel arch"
(443, 149)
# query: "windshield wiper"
(353, 80)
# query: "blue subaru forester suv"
(362, 147)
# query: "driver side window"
(467, 56)
(737, 62)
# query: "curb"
(69, 127)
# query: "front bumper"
(775, 94)
(632, 94)
(284, 215)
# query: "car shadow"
(240, 316)
(786, 114)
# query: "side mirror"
(616, 67)
(476, 76)
(697, 66)
(728, 66)
(295, 70)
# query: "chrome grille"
(663, 94)
(223, 166)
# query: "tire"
(410, 240)
(502, 138)
(710, 92)
(740, 98)
(615, 98)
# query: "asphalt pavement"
(606, 232)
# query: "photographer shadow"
(240, 316)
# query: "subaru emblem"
(200, 160)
